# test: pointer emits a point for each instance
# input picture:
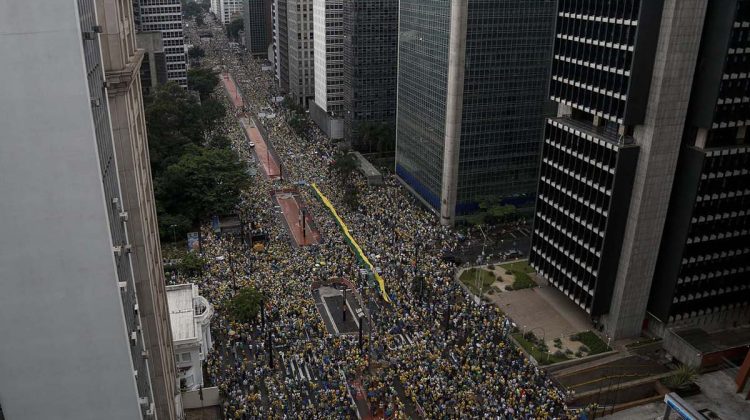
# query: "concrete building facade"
(623, 78)
(299, 19)
(229, 10)
(328, 33)
(281, 44)
(190, 315)
(702, 274)
(77, 339)
(370, 61)
(165, 16)
(258, 26)
(154, 64)
(471, 100)
(122, 61)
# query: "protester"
(457, 360)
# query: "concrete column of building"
(659, 138)
(453, 110)
(122, 63)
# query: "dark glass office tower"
(370, 52)
(471, 99)
(281, 44)
(703, 270)
(258, 33)
(644, 87)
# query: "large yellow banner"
(357, 250)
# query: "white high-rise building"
(225, 10)
(165, 16)
(328, 28)
(299, 22)
(83, 315)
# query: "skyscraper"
(281, 44)
(299, 20)
(165, 16)
(86, 332)
(258, 26)
(227, 10)
(122, 62)
(326, 109)
(702, 273)
(623, 73)
(154, 65)
(370, 58)
(471, 100)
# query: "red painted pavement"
(232, 91)
(291, 209)
(267, 161)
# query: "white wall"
(319, 36)
(64, 352)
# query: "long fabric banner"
(352, 243)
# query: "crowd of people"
(459, 361)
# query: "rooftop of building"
(187, 310)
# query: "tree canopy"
(176, 119)
(493, 212)
(193, 9)
(196, 174)
(203, 80)
(375, 137)
(234, 27)
(202, 183)
(245, 306)
(195, 53)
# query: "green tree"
(344, 164)
(202, 80)
(234, 28)
(196, 53)
(351, 196)
(199, 20)
(172, 226)
(373, 136)
(298, 124)
(204, 182)
(192, 9)
(212, 114)
(176, 120)
(245, 306)
(191, 264)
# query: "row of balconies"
(705, 311)
(592, 65)
(606, 57)
(574, 291)
(567, 235)
(717, 236)
(592, 206)
(615, 108)
(706, 293)
(578, 177)
(721, 216)
(599, 19)
(576, 198)
(715, 256)
(592, 88)
(621, 9)
(557, 224)
(596, 42)
(583, 157)
(599, 31)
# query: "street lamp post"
(343, 306)
(174, 233)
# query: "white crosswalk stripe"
(404, 339)
(298, 368)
